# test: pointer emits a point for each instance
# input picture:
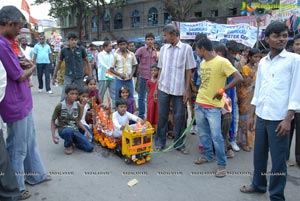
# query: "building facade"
(135, 18)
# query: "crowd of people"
(228, 91)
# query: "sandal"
(245, 148)
(290, 163)
(200, 161)
(25, 194)
(249, 189)
(170, 136)
(221, 172)
(184, 151)
(159, 148)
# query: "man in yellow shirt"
(214, 71)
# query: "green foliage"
(60, 8)
(82, 8)
(179, 9)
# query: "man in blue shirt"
(42, 57)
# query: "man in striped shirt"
(175, 64)
(123, 67)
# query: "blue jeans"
(23, 152)
(142, 97)
(41, 69)
(72, 136)
(265, 140)
(209, 127)
(119, 83)
(88, 128)
(9, 188)
(179, 110)
(110, 84)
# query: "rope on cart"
(171, 147)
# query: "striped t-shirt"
(174, 61)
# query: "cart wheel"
(114, 151)
(118, 151)
(127, 160)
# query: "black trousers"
(9, 189)
(295, 125)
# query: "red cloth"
(152, 107)
(15, 46)
(94, 94)
(26, 8)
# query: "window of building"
(70, 20)
(94, 24)
(75, 20)
(152, 17)
(214, 13)
(106, 25)
(106, 21)
(135, 19)
(118, 21)
(167, 18)
(198, 14)
(233, 11)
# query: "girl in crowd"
(124, 93)
(93, 95)
(245, 91)
(93, 91)
(152, 108)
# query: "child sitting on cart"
(121, 117)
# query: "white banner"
(242, 33)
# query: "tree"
(179, 9)
(100, 6)
(61, 8)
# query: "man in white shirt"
(27, 50)
(9, 188)
(276, 97)
(106, 79)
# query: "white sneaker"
(193, 130)
(234, 146)
(50, 92)
(40, 90)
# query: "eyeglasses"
(42, 38)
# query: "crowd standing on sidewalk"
(235, 89)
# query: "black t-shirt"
(74, 61)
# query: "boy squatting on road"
(68, 113)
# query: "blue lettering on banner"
(243, 33)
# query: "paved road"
(168, 176)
